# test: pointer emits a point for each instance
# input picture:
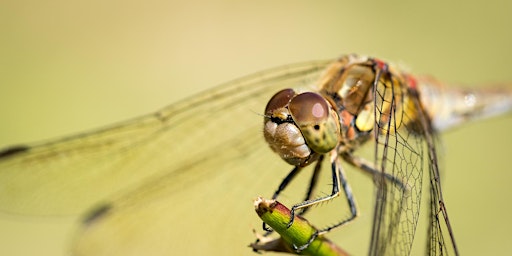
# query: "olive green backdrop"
(68, 66)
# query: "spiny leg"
(293, 173)
(338, 178)
(312, 183)
(368, 168)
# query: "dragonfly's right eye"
(317, 121)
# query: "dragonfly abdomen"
(451, 106)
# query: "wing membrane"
(180, 174)
(440, 237)
(399, 147)
(69, 175)
(403, 133)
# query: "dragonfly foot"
(292, 217)
(301, 248)
(267, 228)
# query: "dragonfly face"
(299, 127)
(186, 172)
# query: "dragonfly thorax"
(300, 126)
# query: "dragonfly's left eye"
(316, 120)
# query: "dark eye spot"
(316, 127)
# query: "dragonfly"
(180, 180)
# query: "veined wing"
(153, 176)
(441, 240)
(441, 108)
(399, 151)
(409, 113)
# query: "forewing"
(187, 139)
(399, 147)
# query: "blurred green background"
(68, 66)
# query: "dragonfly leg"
(293, 173)
(286, 181)
(348, 194)
(298, 249)
(289, 178)
(368, 168)
(282, 186)
(338, 179)
(312, 184)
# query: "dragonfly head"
(300, 126)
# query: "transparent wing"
(155, 179)
(399, 151)
(440, 236)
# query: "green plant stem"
(277, 216)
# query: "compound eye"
(279, 100)
(309, 109)
(316, 121)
